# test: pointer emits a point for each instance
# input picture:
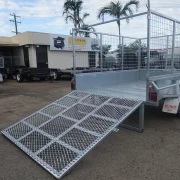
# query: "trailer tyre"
(19, 77)
(55, 75)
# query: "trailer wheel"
(55, 75)
(19, 77)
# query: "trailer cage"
(155, 58)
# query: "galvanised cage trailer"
(62, 133)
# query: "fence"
(159, 51)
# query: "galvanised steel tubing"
(164, 77)
(148, 52)
(105, 34)
(74, 53)
(122, 53)
(173, 46)
(148, 41)
(139, 55)
(159, 36)
(101, 54)
(118, 19)
(165, 87)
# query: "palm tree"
(72, 9)
(87, 28)
(117, 10)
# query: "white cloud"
(8, 4)
(52, 21)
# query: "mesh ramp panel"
(62, 133)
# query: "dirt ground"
(125, 155)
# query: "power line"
(15, 22)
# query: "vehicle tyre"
(19, 78)
(55, 75)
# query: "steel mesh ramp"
(62, 133)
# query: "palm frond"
(85, 15)
(78, 5)
(104, 10)
(126, 15)
(130, 3)
(130, 11)
(69, 17)
(72, 12)
(112, 9)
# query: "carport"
(11, 52)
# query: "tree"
(105, 49)
(87, 28)
(133, 47)
(72, 10)
(117, 10)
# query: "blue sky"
(46, 15)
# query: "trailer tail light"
(73, 84)
(152, 94)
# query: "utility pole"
(15, 22)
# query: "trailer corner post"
(148, 51)
(122, 52)
(148, 41)
(74, 53)
(101, 53)
(139, 55)
(173, 46)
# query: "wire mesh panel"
(161, 43)
(59, 135)
(111, 52)
(130, 53)
(106, 52)
(89, 43)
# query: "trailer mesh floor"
(59, 135)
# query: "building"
(43, 50)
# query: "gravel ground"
(125, 155)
